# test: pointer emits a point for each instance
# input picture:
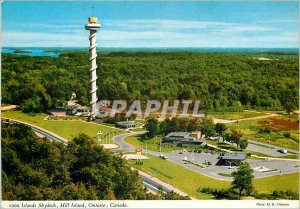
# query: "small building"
(83, 111)
(196, 134)
(125, 124)
(231, 159)
(71, 109)
(184, 138)
(73, 96)
(58, 111)
(178, 137)
(74, 109)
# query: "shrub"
(287, 134)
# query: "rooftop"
(125, 123)
(234, 156)
(178, 134)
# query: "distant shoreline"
(56, 52)
(186, 49)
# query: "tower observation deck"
(93, 26)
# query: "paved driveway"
(268, 151)
(285, 166)
(213, 171)
(124, 146)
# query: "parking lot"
(199, 163)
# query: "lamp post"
(146, 149)
(159, 145)
(99, 137)
(230, 162)
(193, 156)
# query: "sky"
(152, 24)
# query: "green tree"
(38, 169)
(208, 127)
(220, 129)
(289, 107)
(152, 126)
(243, 144)
(243, 178)
(236, 137)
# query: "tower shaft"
(93, 72)
(93, 25)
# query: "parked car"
(163, 157)
(180, 152)
(283, 151)
(197, 151)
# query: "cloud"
(41, 39)
(179, 25)
(155, 33)
(276, 21)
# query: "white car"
(163, 157)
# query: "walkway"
(9, 107)
(218, 120)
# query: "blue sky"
(152, 24)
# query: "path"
(124, 146)
(218, 120)
(9, 107)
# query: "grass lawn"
(189, 181)
(66, 129)
(180, 177)
(254, 130)
(137, 129)
(279, 182)
(290, 157)
(234, 115)
(225, 174)
(152, 144)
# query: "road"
(151, 183)
(124, 146)
(40, 130)
(219, 120)
(282, 166)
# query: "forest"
(222, 81)
(38, 169)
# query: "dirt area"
(134, 157)
(39, 135)
(110, 146)
(283, 125)
(9, 107)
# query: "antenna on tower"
(92, 11)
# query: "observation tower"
(93, 26)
